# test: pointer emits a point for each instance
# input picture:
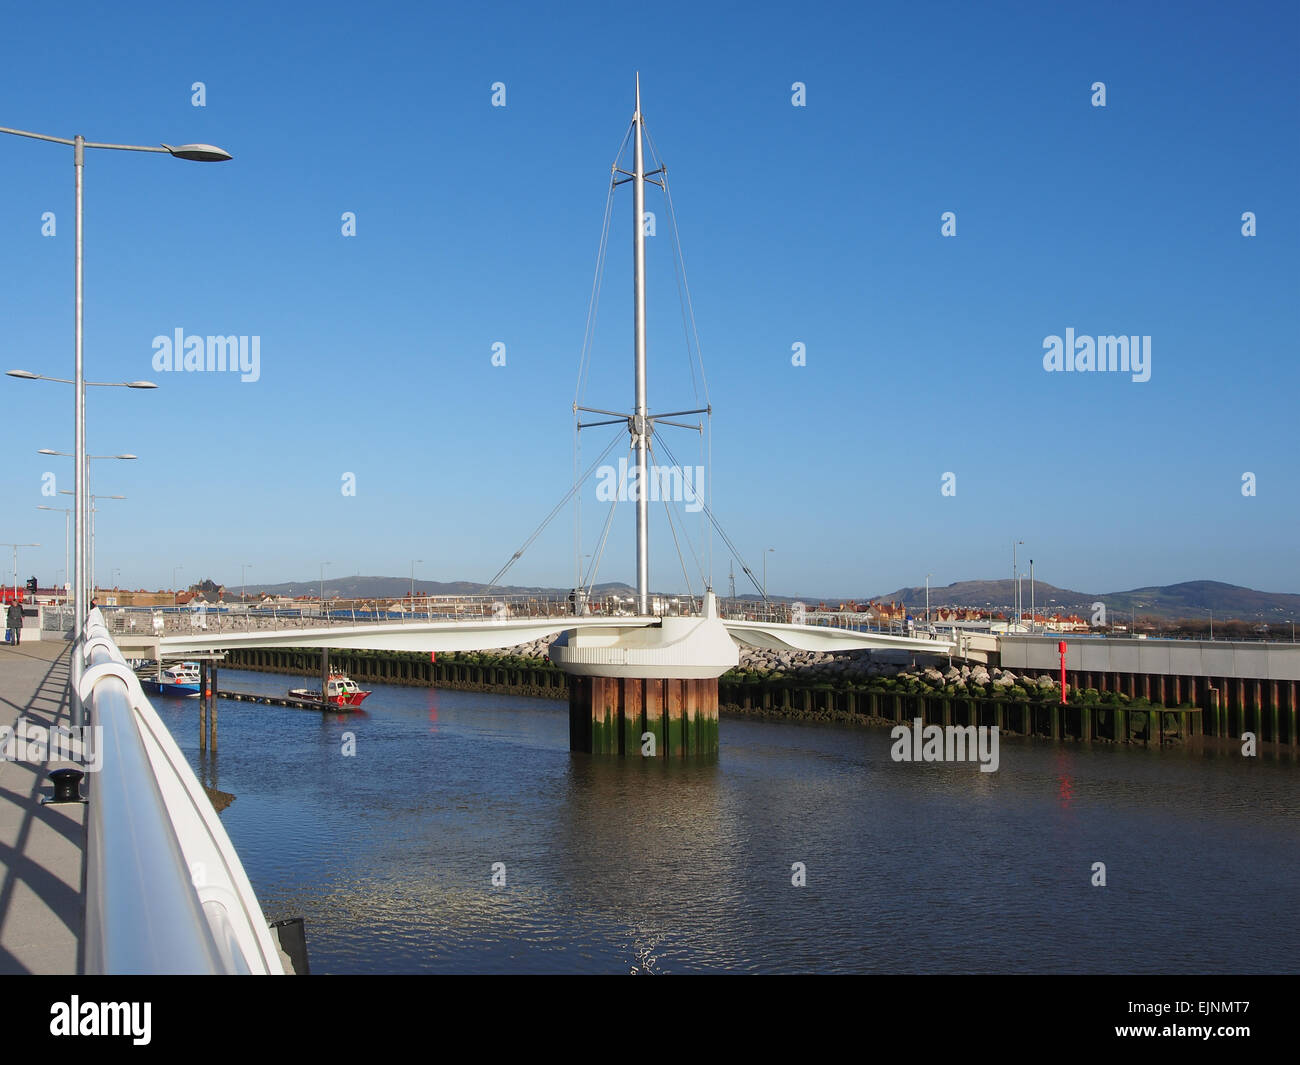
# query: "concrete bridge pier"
(651, 717)
(649, 692)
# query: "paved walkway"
(42, 848)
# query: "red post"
(1061, 647)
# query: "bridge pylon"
(647, 691)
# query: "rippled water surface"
(635, 866)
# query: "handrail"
(165, 890)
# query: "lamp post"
(769, 551)
(322, 586)
(67, 514)
(927, 597)
(79, 144)
(16, 547)
(1015, 580)
(1031, 595)
(413, 562)
(93, 511)
(126, 456)
(243, 587)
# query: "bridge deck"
(42, 848)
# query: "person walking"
(15, 619)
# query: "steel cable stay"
(589, 581)
(688, 311)
(731, 547)
(573, 490)
(680, 557)
(668, 503)
(641, 421)
(683, 285)
(695, 493)
(584, 359)
(597, 282)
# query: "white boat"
(181, 679)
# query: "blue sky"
(817, 225)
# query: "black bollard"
(67, 785)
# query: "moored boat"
(180, 680)
(341, 690)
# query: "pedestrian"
(15, 619)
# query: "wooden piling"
(211, 695)
(203, 705)
(609, 715)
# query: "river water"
(644, 867)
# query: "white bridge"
(481, 634)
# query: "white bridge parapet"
(489, 633)
(772, 636)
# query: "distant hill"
(1186, 600)
(400, 587)
(997, 594)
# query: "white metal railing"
(161, 621)
(165, 890)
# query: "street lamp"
(769, 551)
(322, 586)
(27, 375)
(79, 144)
(16, 547)
(93, 511)
(243, 588)
(125, 456)
(927, 597)
(413, 562)
(1015, 580)
(67, 514)
(1032, 604)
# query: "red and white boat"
(341, 690)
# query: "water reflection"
(652, 867)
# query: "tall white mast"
(640, 426)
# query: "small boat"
(342, 690)
(180, 680)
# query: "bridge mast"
(639, 425)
